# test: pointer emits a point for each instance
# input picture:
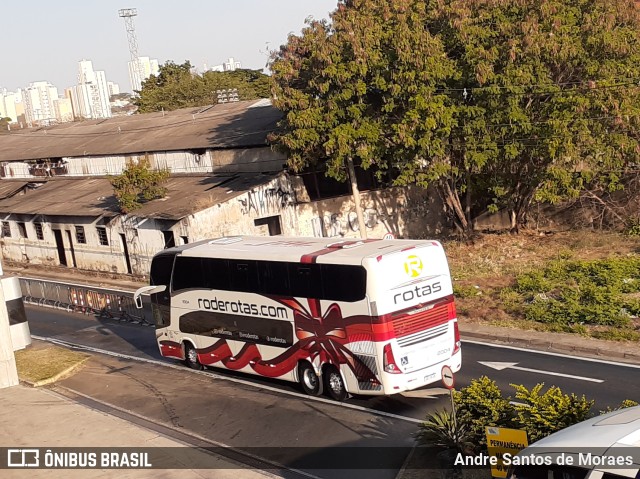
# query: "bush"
(480, 405)
(623, 405)
(543, 414)
(465, 291)
(137, 184)
(632, 227)
(572, 293)
(440, 429)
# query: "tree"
(137, 184)
(176, 86)
(496, 103)
(4, 123)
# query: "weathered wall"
(406, 212)
(238, 215)
(90, 255)
(251, 160)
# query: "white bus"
(372, 317)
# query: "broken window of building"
(102, 236)
(39, 231)
(80, 236)
(6, 229)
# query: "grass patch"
(580, 282)
(43, 364)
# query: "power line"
(590, 85)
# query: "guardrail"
(104, 303)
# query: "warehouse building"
(58, 206)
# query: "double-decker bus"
(371, 317)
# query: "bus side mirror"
(137, 296)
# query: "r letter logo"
(413, 266)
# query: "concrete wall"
(406, 212)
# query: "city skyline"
(202, 33)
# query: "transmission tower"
(136, 77)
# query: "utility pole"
(8, 370)
(356, 198)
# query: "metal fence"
(103, 303)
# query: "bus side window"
(216, 274)
(188, 273)
(273, 277)
(344, 282)
(244, 276)
(306, 281)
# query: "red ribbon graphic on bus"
(322, 338)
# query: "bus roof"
(300, 249)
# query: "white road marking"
(549, 353)
(432, 393)
(500, 366)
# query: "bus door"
(161, 268)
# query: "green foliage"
(466, 291)
(497, 103)
(632, 228)
(571, 293)
(440, 429)
(176, 86)
(543, 414)
(137, 184)
(617, 334)
(623, 405)
(481, 405)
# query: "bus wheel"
(191, 357)
(311, 383)
(334, 384)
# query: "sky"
(43, 40)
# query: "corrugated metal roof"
(242, 124)
(10, 188)
(94, 197)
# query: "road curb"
(554, 345)
(56, 377)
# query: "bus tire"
(311, 383)
(334, 383)
(191, 357)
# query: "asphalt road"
(249, 412)
(606, 383)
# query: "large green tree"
(495, 102)
(176, 86)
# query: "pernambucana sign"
(501, 441)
